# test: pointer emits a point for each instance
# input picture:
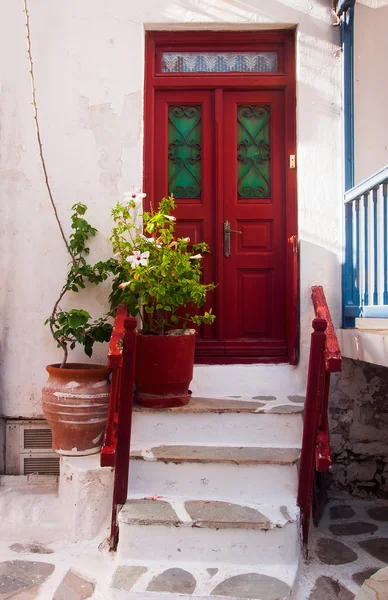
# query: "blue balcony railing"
(365, 275)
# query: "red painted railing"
(117, 440)
(325, 358)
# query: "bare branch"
(35, 108)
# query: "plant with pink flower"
(157, 274)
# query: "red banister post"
(333, 358)
(127, 382)
(312, 413)
(323, 457)
(115, 360)
(124, 422)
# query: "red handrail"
(325, 358)
(115, 357)
(117, 440)
(332, 354)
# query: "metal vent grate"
(37, 438)
(41, 466)
(29, 448)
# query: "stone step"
(276, 403)
(213, 514)
(152, 581)
(216, 472)
(238, 455)
(221, 421)
(224, 545)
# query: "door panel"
(222, 155)
(184, 166)
(254, 204)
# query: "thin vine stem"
(37, 127)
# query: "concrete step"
(222, 420)
(229, 473)
(246, 380)
(30, 509)
(147, 580)
(176, 529)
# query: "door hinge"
(292, 161)
(294, 241)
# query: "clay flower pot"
(75, 405)
(164, 369)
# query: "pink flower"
(170, 217)
(123, 285)
(196, 256)
(187, 240)
(134, 194)
(138, 259)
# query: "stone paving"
(347, 553)
(376, 587)
(81, 571)
(348, 548)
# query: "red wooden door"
(222, 153)
(254, 273)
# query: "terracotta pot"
(75, 404)
(164, 369)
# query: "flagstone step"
(220, 404)
(239, 455)
(213, 514)
(227, 473)
(232, 545)
(182, 529)
(220, 421)
(151, 581)
(213, 483)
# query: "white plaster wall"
(89, 80)
(371, 87)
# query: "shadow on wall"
(318, 266)
(249, 12)
(359, 430)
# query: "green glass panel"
(184, 150)
(253, 151)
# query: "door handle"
(227, 232)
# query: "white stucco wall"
(371, 87)
(89, 81)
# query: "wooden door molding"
(215, 349)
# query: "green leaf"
(75, 321)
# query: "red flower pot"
(164, 370)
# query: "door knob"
(227, 232)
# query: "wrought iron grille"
(253, 151)
(184, 150)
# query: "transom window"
(219, 62)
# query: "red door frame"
(285, 79)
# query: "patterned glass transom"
(219, 62)
(184, 150)
(253, 151)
